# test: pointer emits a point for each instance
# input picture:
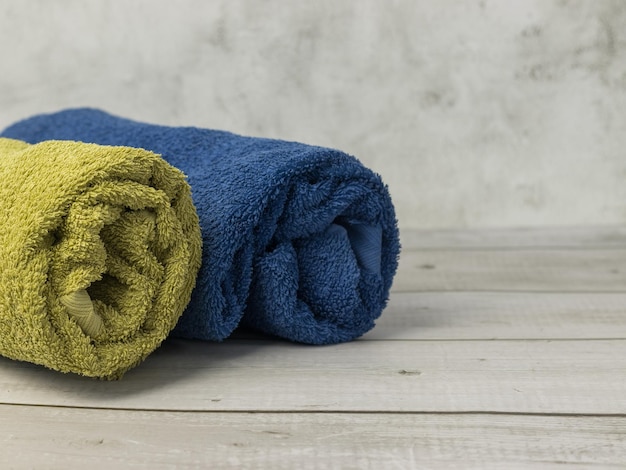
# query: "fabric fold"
(99, 251)
(299, 241)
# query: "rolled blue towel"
(298, 241)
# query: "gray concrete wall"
(476, 113)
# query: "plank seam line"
(517, 249)
(505, 291)
(342, 412)
(509, 291)
(425, 340)
(440, 340)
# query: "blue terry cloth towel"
(298, 241)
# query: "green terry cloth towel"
(99, 251)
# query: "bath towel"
(99, 249)
(299, 241)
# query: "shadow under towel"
(298, 241)
(99, 251)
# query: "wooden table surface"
(499, 349)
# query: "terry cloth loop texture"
(99, 251)
(299, 241)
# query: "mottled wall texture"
(476, 112)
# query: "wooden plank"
(71, 438)
(499, 315)
(514, 238)
(401, 376)
(504, 270)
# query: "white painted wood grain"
(542, 270)
(587, 377)
(64, 438)
(501, 315)
(514, 238)
(530, 324)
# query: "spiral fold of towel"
(99, 251)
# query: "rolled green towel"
(99, 251)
